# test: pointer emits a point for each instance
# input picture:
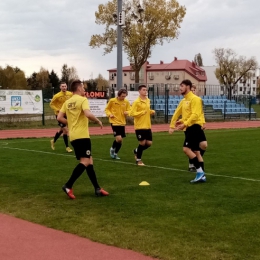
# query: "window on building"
(240, 89)
(125, 74)
(253, 81)
(253, 89)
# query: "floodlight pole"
(119, 78)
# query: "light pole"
(119, 78)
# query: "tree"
(68, 74)
(232, 68)
(54, 81)
(42, 78)
(156, 22)
(102, 83)
(198, 60)
(12, 78)
(32, 82)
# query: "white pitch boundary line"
(121, 162)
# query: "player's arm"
(134, 112)
(176, 115)
(61, 116)
(88, 114)
(128, 109)
(53, 104)
(91, 117)
(108, 109)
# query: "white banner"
(97, 107)
(21, 102)
(131, 97)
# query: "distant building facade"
(162, 73)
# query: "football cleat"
(203, 179)
(140, 163)
(112, 152)
(52, 144)
(192, 169)
(198, 177)
(101, 192)
(69, 192)
(69, 150)
(116, 157)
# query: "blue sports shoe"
(203, 179)
(198, 177)
(112, 152)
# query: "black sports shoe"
(192, 169)
(101, 192)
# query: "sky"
(48, 34)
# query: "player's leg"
(55, 138)
(65, 138)
(119, 133)
(191, 144)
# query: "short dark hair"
(63, 83)
(121, 91)
(186, 82)
(142, 86)
(75, 84)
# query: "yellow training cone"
(144, 183)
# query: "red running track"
(27, 133)
(22, 240)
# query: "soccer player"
(191, 109)
(117, 109)
(78, 113)
(142, 112)
(203, 142)
(56, 104)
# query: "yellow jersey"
(141, 112)
(58, 100)
(77, 121)
(191, 110)
(117, 108)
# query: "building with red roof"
(162, 73)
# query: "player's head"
(185, 86)
(193, 88)
(142, 90)
(122, 93)
(77, 87)
(63, 87)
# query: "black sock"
(195, 162)
(146, 147)
(139, 153)
(65, 138)
(202, 152)
(57, 135)
(92, 176)
(114, 144)
(118, 146)
(202, 165)
(79, 169)
(190, 161)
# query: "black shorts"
(82, 148)
(193, 136)
(118, 130)
(61, 124)
(144, 134)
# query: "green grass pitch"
(170, 219)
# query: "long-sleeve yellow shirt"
(58, 100)
(142, 113)
(117, 108)
(191, 110)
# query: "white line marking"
(128, 163)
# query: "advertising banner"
(21, 102)
(97, 107)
